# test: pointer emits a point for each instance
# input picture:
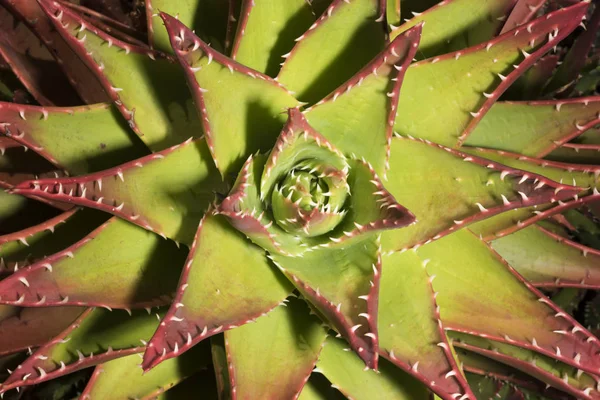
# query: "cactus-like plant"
(368, 210)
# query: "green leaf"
(534, 128)
(123, 379)
(158, 110)
(266, 31)
(78, 139)
(274, 356)
(411, 333)
(241, 109)
(365, 106)
(345, 370)
(128, 271)
(456, 24)
(462, 86)
(166, 192)
(344, 39)
(226, 282)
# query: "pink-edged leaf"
(23, 328)
(166, 192)
(82, 79)
(535, 128)
(226, 282)
(344, 288)
(479, 189)
(531, 83)
(128, 272)
(251, 117)
(408, 304)
(365, 106)
(523, 12)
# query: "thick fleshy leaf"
(344, 39)
(23, 328)
(344, 288)
(123, 379)
(273, 357)
(411, 333)
(226, 282)
(166, 192)
(522, 12)
(241, 109)
(79, 139)
(549, 260)
(266, 31)
(18, 212)
(365, 106)
(82, 79)
(535, 128)
(207, 17)
(529, 85)
(469, 81)
(346, 372)
(515, 312)
(158, 110)
(491, 387)
(128, 271)
(456, 24)
(479, 189)
(97, 336)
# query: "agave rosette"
(371, 187)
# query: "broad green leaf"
(242, 110)
(456, 24)
(273, 357)
(477, 189)
(166, 192)
(460, 87)
(408, 306)
(79, 139)
(547, 260)
(344, 39)
(318, 388)
(534, 128)
(358, 116)
(128, 271)
(266, 31)
(343, 285)
(392, 14)
(226, 282)
(160, 111)
(18, 213)
(346, 371)
(123, 379)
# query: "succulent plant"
(401, 208)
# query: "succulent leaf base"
(403, 206)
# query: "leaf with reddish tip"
(346, 371)
(19, 249)
(97, 336)
(514, 312)
(523, 12)
(79, 139)
(128, 271)
(543, 368)
(535, 128)
(273, 357)
(166, 192)
(241, 109)
(529, 85)
(23, 328)
(226, 282)
(344, 289)
(124, 379)
(548, 260)
(344, 39)
(456, 24)
(207, 17)
(82, 79)
(365, 106)
(468, 82)
(158, 110)
(477, 189)
(266, 31)
(408, 305)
